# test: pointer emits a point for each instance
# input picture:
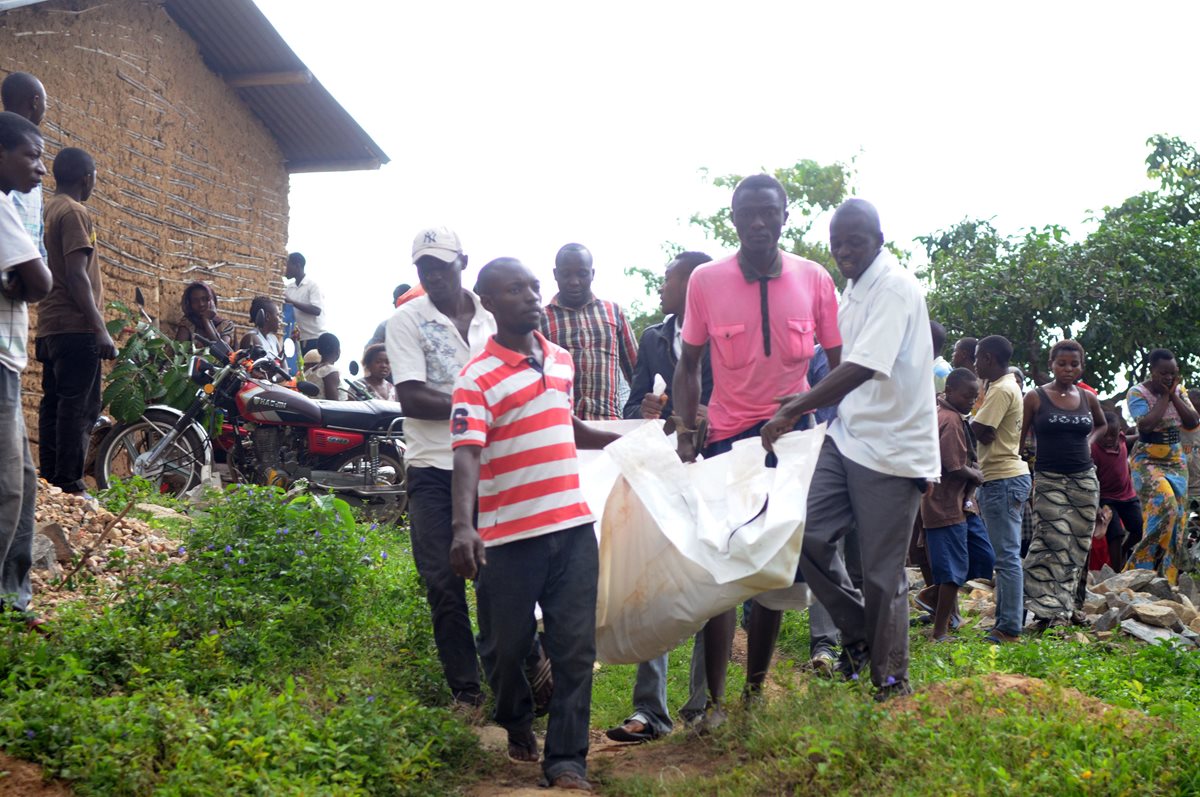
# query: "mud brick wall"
(190, 185)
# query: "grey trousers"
(883, 508)
(18, 497)
(650, 691)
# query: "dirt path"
(23, 779)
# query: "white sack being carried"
(682, 543)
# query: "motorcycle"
(271, 432)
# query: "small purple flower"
(31, 734)
(228, 549)
(210, 547)
(383, 555)
(316, 535)
(213, 632)
(300, 552)
(241, 561)
(181, 550)
(374, 526)
(227, 566)
(891, 681)
(370, 698)
(362, 539)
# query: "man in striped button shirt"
(596, 334)
(514, 438)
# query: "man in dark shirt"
(71, 336)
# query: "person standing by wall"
(1006, 483)
(24, 95)
(71, 336)
(304, 294)
(1066, 493)
(594, 331)
(24, 278)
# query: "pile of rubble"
(1139, 603)
(71, 528)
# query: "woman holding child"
(1066, 492)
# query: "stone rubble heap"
(68, 526)
(1139, 603)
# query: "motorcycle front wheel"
(182, 465)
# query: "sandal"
(568, 780)
(632, 732)
(523, 747)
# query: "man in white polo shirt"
(429, 340)
(879, 455)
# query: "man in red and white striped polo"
(514, 438)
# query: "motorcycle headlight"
(200, 371)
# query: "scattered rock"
(1184, 614)
(1093, 603)
(54, 532)
(1105, 573)
(1155, 614)
(1134, 580)
(1187, 587)
(977, 584)
(44, 556)
(1195, 625)
(1145, 632)
(1108, 621)
(1161, 589)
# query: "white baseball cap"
(439, 242)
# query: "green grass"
(258, 669)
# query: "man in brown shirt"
(955, 538)
(71, 337)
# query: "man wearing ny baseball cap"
(429, 340)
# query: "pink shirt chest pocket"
(798, 347)
(733, 345)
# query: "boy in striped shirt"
(514, 438)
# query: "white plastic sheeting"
(682, 543)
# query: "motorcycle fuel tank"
(276, 405)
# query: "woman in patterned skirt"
(1161, 408)
(1066, 491)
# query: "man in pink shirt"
(759, 311)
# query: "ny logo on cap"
(430, 237)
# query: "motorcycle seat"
(360, 416)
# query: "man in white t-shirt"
(24, 278)
(429, 340)
(302, 293)
(880, 452)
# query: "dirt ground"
(22, 779)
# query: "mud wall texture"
(190, 185)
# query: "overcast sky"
(528, 125)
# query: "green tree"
(1125, 289)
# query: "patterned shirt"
(519, 412)
(423, 345)
(599, 340)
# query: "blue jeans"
(1001, 502)
(18, 497)
(650, 691)
(558, 571)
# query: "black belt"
(1169, 437)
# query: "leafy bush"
(261, 663)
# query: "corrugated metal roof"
(237, 42)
